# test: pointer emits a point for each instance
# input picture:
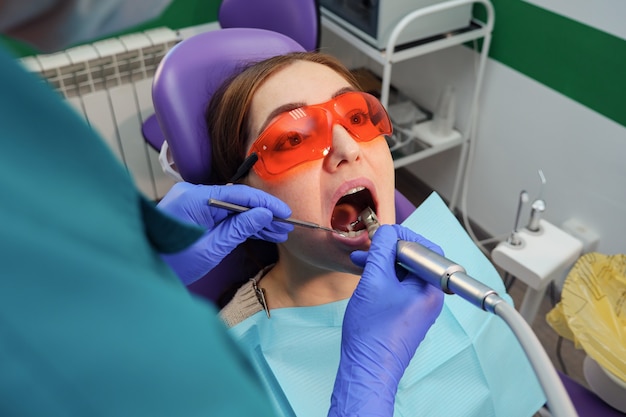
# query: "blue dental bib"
(469, 364)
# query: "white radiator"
(109, 83)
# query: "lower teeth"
(352, 233)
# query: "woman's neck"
(291, 285)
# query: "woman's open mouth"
(346, 214)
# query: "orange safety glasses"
(305, 134)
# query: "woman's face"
(330, 191)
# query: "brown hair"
(227, 115)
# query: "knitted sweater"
(248, 300)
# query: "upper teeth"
(355, 190)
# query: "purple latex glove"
(386, 319)
(225, 229)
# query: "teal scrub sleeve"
(92, 321)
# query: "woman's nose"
(344, 148)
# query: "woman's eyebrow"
(279, 110)
(292, 106)
(343, 91)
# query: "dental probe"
(240, 209)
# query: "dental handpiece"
(240, 209)
(514, 238)
(437, 270)
(537, 208)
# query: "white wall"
(523, 126)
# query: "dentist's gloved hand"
(386, 319)
(225, 229)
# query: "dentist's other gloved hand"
(386, 319)
(225, 229)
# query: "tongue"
(343, 215)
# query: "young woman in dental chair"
(319, 146)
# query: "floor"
(565, 357)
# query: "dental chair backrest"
(300, 20)
(186, 79)
(188, 76)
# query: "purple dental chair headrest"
(188, 76)
(299, 20)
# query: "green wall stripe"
(581, 62)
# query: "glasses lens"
(362, 115)
(295, 137)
